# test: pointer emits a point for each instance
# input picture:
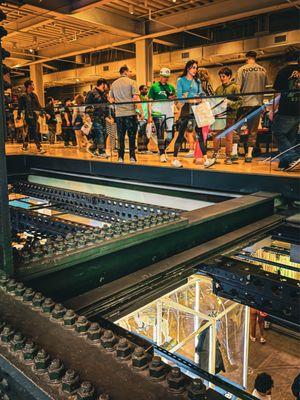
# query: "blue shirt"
(188, 88)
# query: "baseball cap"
(165, 72)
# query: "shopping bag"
(149, 130)
(203, 114)
(86, 128)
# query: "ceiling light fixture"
(131, 9)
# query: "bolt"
(176, 380)
(11, 286)
(94, 332)
(58, 312)
(139, 358)
(104, 396)
(38, 300)
(124, 350)
(108, 340)
(197, 390)
(82, 325)
(28, 295)
(17, 343)
(3, 280)
(48, 306)
(157, 368)
(70, 319)
(86, 392)
(7, 334)
(55, 370)
(20, 289)
(70, 382)
(41, 361)
(29, 350)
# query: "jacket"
(234, 102)
(99, 99)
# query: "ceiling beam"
(83, 5)
(25, 24)
(115, 23)
(249, 9)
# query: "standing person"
(78, 120)
(142, 137)
(205, 81)
(29, 103)
(263, 386)
(296, 387)
(67, 129)
(51, 119)
(230, 90)
(124, 90)
(251, 77)
(287, 119)
(162, 113)
(188, 87)
(257, 317)
(99, 100)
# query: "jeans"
(143, 140)
(285, 129)
(127, 124)
(160, 124)
(52, 133)
(183, 123)
(99, 132)
(252, 124)
(68, 135)
(31, 132)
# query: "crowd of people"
(193, 111)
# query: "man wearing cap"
(251, 77)
(162, 113)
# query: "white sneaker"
(163, 158)
(190, 154)
(103, 155)
(176, 163)
(209, 162)
(120, 160)
(292, 165)
(133, 160)
(41, 151)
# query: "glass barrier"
(217, 132)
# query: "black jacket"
(99, 100)
(29, 103)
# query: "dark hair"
(292, 55)
(123, 69)
(101, 81)
(5, 69)
(251, 54)
(49, 99)
(67, 99)
(142, 87)
(28, 83)
(225, 71)
(263, 382)
(188, 65)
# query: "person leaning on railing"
(286, 122)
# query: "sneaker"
(163, 158)
(66, 145)
(190, 154)
(253, 339)
(177, 164)
(132, 159)
(228, 161)
(103, 155)
(41, 151)
(262, 340)
(24, 148)
(292, 165)
(120, 160)
(248, 159)
(149, 152)
(92, 152)
(209, 162)
(234, 157)
(198, 161)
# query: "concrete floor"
(279, 357)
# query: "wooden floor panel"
(258, 165)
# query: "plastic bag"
(203, 114)
(86, 128)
